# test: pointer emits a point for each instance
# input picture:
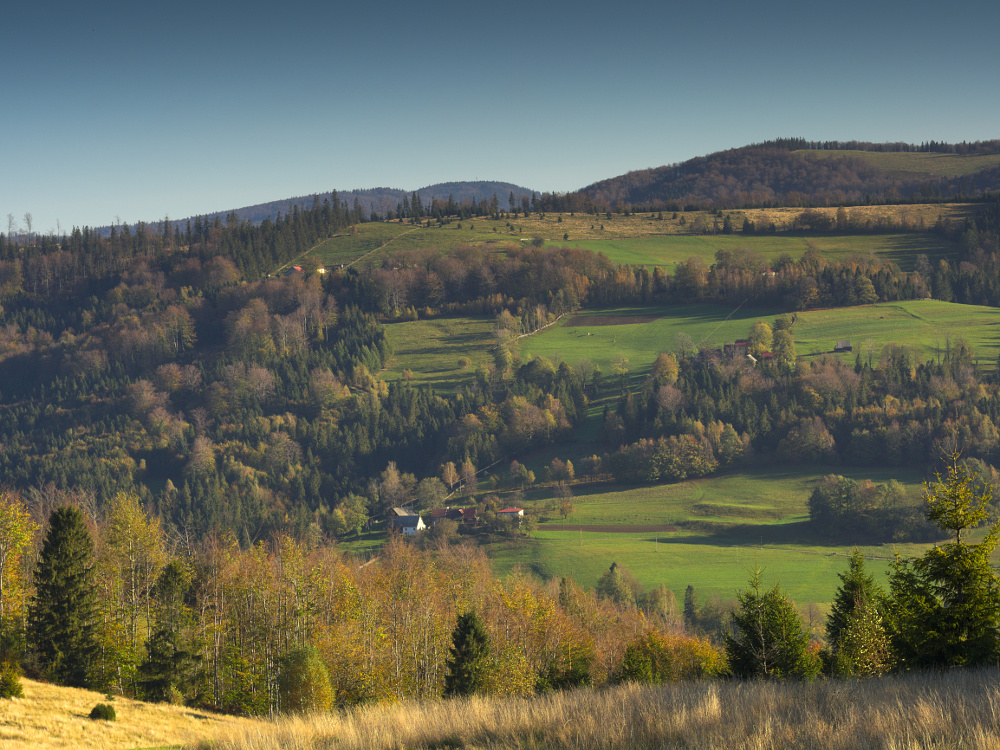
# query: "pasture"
(646, 239)
(707, 533)
(431, 349)
(668, 250)
(916, 163)
(642, 333)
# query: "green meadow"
(945, 165)
(927, 325)
(725, 526)
(668, 250)
(431, 349)
(641, 240)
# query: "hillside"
(50, 717)
(780, 173)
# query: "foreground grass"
(954, 710)
(50, 717)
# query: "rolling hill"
(797, 173)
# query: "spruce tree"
(857, 588)
(63, 614)
(855, 629)
(944, 606)
(470, 651)
(168, 671)
(769, 640)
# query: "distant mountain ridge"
(380, 199)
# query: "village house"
(511, 513)
(405, 520)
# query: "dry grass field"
(50, 717)
(959, 709)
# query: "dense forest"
(168, 364)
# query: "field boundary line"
(380, 247)
(532, 333)
(303, 254)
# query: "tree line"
(107, 601)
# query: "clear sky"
(139, 111)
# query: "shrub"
(304, 684)
(103, 712)
(10, 681)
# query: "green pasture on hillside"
(637, 239)
(945, 165)
(430, 349)
(668, 250)
(925, 324)
(728, 524)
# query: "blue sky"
(121, 110)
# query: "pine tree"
(62, 615)
(470, 651)
(769, 639)
(944, 607)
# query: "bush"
(304, 684)
(103, 712)
(10, 681)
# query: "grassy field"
(645, 238)
(430, 349)
(50, 717)
(667, 250)
(916, 711)
(925, 324)
(722, 527)
(944, 165)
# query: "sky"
(117, 111)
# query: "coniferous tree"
(855, 629)
(167, 673)
(470, 650)
(62, 615)
(944, 606)
(769, 640)
(857, 588)
(690, 609)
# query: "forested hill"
(798, 172)
(380, 200)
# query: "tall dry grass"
(951, 710)
(50, 717)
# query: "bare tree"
(27, 222)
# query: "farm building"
(843, 346)
(461, 515)
(405, 521)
